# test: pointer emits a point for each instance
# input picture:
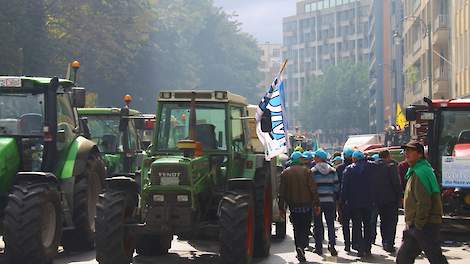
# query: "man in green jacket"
(423, 210)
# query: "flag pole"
(283, 67)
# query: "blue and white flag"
(275, 141)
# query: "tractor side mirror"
(78, 97)
(266, 125)
(411, 113)
(139, 123)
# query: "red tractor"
(444, 126)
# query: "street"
(281, 252)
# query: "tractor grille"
(169, 175)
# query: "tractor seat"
(31, 124)
(109, 143)
(464, 137)
(206, 135)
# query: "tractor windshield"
(21, 114)
(210, 125)
(454, 129)
(104, 130)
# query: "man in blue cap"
(308, 159)
(328, 186)
(357, 196)
(343, 212)
(298, 191)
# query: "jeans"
(362, 228)
(329, 210)
(415, 241)
(388, 223)
(345, 221)
(301, 223)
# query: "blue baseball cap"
(347, 152)
(296, 155)
(375, 156)
(321, 154)
(358, 155)
(307, 155)
(338, 158)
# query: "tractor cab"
(444, 126)
(116, 132)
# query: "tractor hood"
(9, 162)
(462, 151)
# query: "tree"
(337, 100)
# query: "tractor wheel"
(115, 243)
(33, 223)
(154, 245)
(86, 190)
(237, 228)
(281, 230)
(263, 220)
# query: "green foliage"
(336, 100)
(129, 46)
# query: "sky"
(261, 18)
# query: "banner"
(272, 107)
(400, 119)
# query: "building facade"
(426, 19)
(386, 63)
(271, 57)
(460, 14)
(322, 33)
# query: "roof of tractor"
(441, 103)
(30, 82)
(201, 96)
(105, 111)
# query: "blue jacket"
(357, 187)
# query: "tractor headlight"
(182, 198)
(159, 198)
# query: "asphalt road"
(456, 249)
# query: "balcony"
(441, 87)
(440, 35)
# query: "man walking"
(357, 196)
(299, 191)
(344, 213)
(423, 210)
(388, 194)
(328, 186)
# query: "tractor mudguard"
(77, 157)
(124, 183)
(243, 184)
(35, 176)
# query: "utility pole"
(428, 33)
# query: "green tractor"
(50, 176)
(199, 179)
(116, 132)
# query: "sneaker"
(301, 254)
(390, 249)
(332, 250)
(361, 254)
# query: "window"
(174, 125)
(238, 136)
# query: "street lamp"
(427, 29)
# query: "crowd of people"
(351, 187)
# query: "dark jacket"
(387, 187)
(340, 170)
(298, 188)
(356, 189)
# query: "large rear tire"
(115, 244)
(86, 190)
(263, 226)
(154, 245)
(33, 223)
(237, 222)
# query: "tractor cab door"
(66, 122)
(238, 141)
(130, 143)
